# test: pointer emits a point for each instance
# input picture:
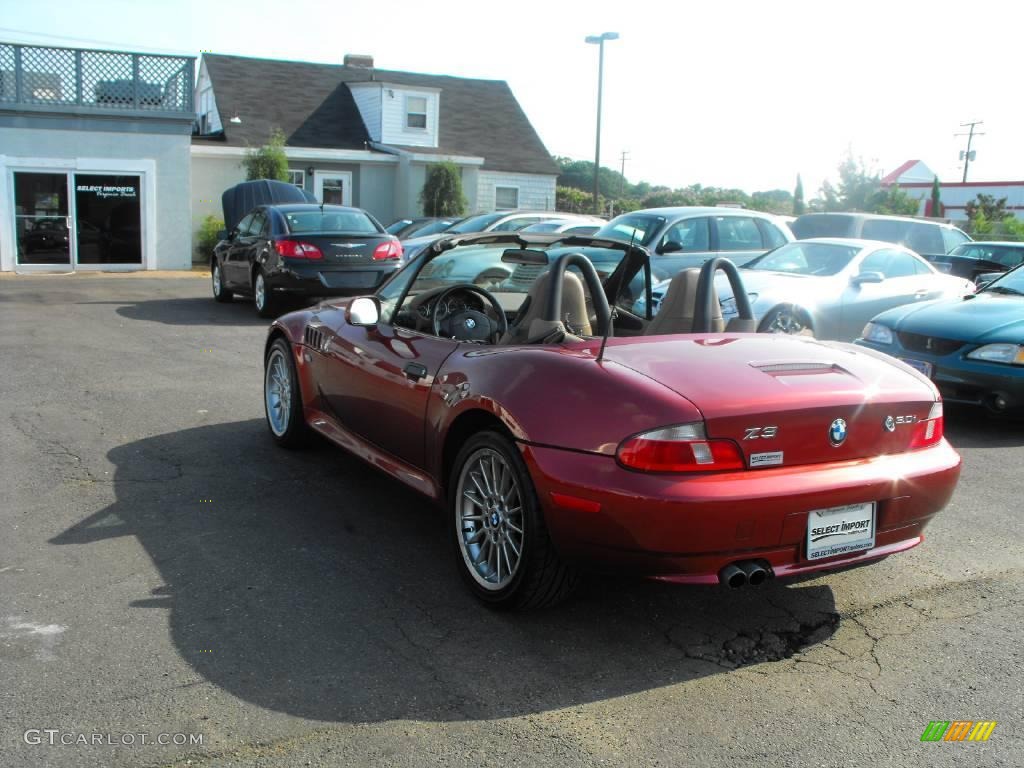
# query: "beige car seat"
(529, 325)
(678, 306)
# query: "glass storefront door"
(68, 219)
(108, 219)
(41, 219)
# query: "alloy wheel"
(217, 287)
(489, 519)
(261, 292)
(278, 392)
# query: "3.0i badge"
(837, 432)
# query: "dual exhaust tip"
(752, 572)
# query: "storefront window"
(108, 219)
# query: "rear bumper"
(687, 529)
(325, 280)
(971, 382)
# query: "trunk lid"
(774, 394)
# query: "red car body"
(568, 413)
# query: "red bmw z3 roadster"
(563, 426)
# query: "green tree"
(269, 161)
(799, 206)
(1013, 228)
(856, 189)
(773, 201)
(936, 198)
(573, 200)
(442, 191)
(987, 205)
(979, 225)
(893, 201)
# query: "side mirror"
(223, 234)
(867, 277)
(670, 246)
(364, 311)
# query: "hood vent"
(795, 366)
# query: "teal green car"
(972, 348)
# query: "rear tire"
(266, 302)
(282, 397)
(220, 293)
(493, 512)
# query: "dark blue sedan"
(972, 348)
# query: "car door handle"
(415, 371)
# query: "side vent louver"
(314, 338)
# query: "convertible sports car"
(562, 431)
(972, 348)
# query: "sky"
(733, 94)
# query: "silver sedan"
(830, 287)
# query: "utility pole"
(622, 172)
(599, 41)
(969, 155)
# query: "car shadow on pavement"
(191, 311)
(971, 427)
(304, 583)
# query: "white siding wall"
(368, 99)
(955, 196)
(205, 102)
(210, 177)
(393, 128)
(536, 192)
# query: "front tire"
(791, 321)
(266, 302)
(282, 397)
(502, 547)
(220, 293)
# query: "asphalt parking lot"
(164, 569)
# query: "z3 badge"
(755, 433)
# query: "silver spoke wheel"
(786, 321)
(489, 519)
(216, 280)
(277, 388)
(261, 291)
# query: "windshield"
(1007, 255)
(819, 259)
(441, 225)
(476, 223)
(639, 228)
(1011, 282)
(822, 225)
(330, 222)
(398, 226)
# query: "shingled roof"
(313, 106)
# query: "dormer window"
(416, 112)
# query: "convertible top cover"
(242, 198)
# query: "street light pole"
(598, 40)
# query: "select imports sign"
(104, 190)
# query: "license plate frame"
(921, 366)
(822, 541)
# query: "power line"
(968, 155)
(78, 41)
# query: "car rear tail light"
(296, 249)
(929, 431)
(388, 250)
(682, 448)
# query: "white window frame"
(344, 176)
(506, 186)
(301, 184)
(409, 111)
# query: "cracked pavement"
(165, 569)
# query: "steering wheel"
(469, 324)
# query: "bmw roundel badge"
(470, 323)
(837, 432)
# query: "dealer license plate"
(919, 365)
(840, 530)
